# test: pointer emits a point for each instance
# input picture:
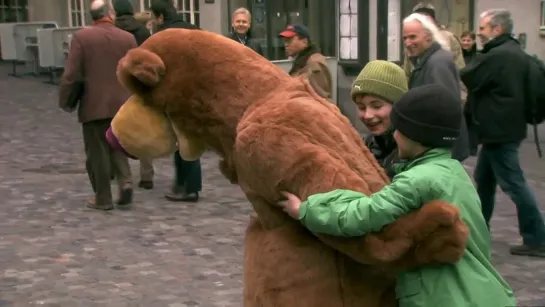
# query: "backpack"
(535, 102)
(535, 97)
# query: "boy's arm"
(348, 213)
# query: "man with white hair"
(90, 74)
(452, 42)
(496, 79)
(433, 64)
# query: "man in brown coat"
(308, 60)
(94, 54)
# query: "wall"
(526, 16)
(213, 16)
(48, 10)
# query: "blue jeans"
(187, 174)
(498, 164)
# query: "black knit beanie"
(123, 7)
(429, 115)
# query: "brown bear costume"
(194, 90)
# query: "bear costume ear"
(140, 69)
(140, 131)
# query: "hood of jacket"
(127, 23)
(176, 21)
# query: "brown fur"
(275, 133)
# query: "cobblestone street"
(56, 252)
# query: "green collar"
(430, 155)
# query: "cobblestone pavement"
(55, 252)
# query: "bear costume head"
(194, 90)
(216, 93)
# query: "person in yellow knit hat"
(376, 88)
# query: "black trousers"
(188, 174)
(101, 159)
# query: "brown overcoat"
(318, 74)
(94, 54)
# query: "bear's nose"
(114, 143)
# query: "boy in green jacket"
(427, 121)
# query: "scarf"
(302, 58)
(103, 20)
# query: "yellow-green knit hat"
(381, 78)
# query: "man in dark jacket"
(124, 19)
(166, 17)
(495, 78)
(241, 23)
(433, 64)
(188, 177)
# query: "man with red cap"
(307, 60)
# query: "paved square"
(55, 252)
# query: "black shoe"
(528, 250)
(186, 197)
(148, 185)
(93, 205)
(125, 199)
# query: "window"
(76, 13)
(13, 11)
(189, 10)
(269, 18)
(348, 30)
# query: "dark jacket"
(93, 57)
(436, 66)
(247, 41)
(384, 148)
(495, 78)
(131, 25)
(176, 21)
(470, 54)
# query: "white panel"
(373, 30)
(354, 48)
(344, 52)
(394, 35)
(354, 25)
(344, 25)
(344, 7)
(354, 6)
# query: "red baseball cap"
(296, 29)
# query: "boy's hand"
(291, 204)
